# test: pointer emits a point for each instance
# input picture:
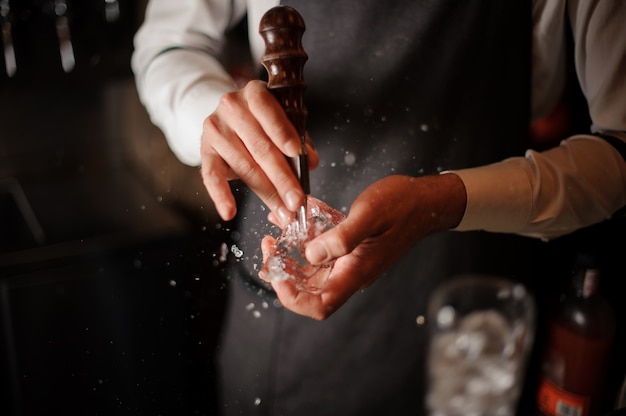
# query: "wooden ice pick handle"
(281, 28)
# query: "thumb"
(333, 243)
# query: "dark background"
(110, 303)
(110, 296)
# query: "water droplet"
(172, 283)
(257, 401)
(446, 316)
(349, 158)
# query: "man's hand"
(384, 222)
(247, 138)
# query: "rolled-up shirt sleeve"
(546, 194)
(583, 180)
(178, 74)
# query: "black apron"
(394, 87)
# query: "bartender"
(418, 122)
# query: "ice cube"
(287, 259)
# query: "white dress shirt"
(542, 194)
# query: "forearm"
(177, 69)
(547, 194)
(179, 89)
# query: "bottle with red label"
(578, 348)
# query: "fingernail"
(292, 149)
(293, 200)
(316, 253)
(226, 211)
(284, 216)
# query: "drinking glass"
(481, 332)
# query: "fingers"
(249, 154)
(316, 306)
(338, 241)
(269, 146)
(313, 156)
(339, 287)
(272, 118)
(281, 218)
(301, 302)
(320, 305)
(215, 179)
(247, 138)
(267, 245)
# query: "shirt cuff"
(546, 194)
(499, 196)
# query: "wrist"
(452, 200)
(440, 200)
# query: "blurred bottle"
(579, 340)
